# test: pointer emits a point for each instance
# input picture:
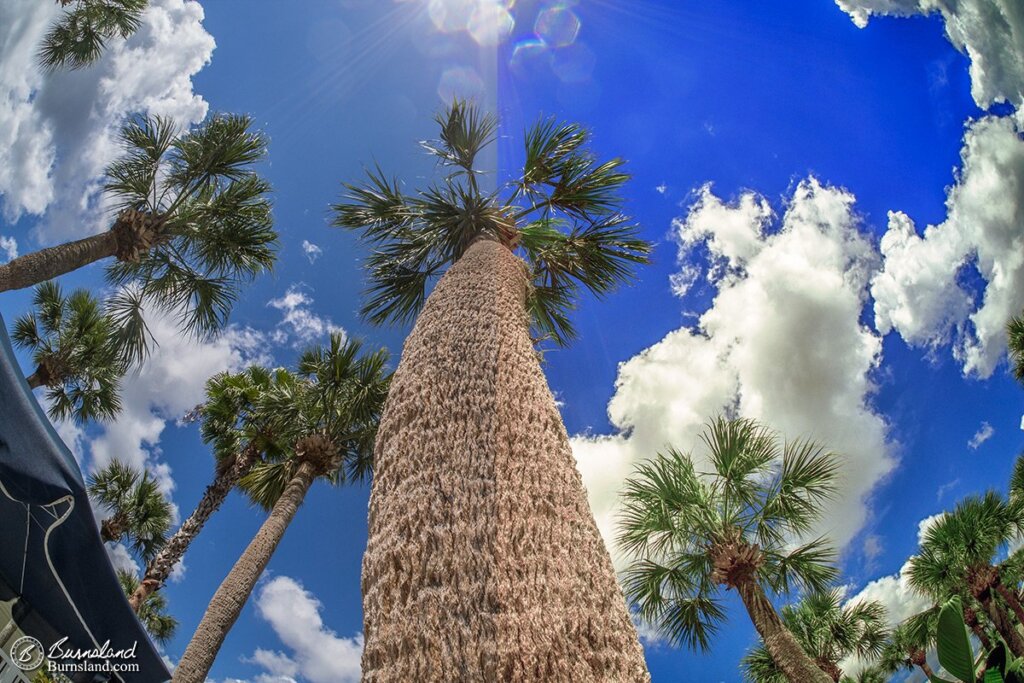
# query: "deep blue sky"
(745, 95)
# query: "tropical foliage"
(73, 345)
(727, 522)
(153, 614)
(139, 511)
(86, 27)
(563, 214)
(193, 225)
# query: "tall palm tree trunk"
(160, 567)
(974, 623)
(1011, 599)
(484, 561)
(780, 643)
(46, 264)
(234, 591)
(1004, 626)
(920, 659)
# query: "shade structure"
(51, 555)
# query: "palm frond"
(809, 566)
(1015, 343)
(464, 132)
(80, 35)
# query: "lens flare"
(490, 24)
(557, 25)
(462, 82)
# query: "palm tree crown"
(335, 399)
(152, 612)
(78, 38)
(693, 532)
(563, 214)
(139, 509)
(73, 346)
(198, 218)
(828, 631)
(1015, 337)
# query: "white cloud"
(9, 246)
(170, 382)
(918, 293)
(782, 343)
(58, 131)
(318, 654)
(984, 433)
(298, 319)
(312, 251)
(872, 548)
(122, 558)
(990, 32)
(662, 188)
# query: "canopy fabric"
(51, 553)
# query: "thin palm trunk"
(34, 380)
(1004, 626)
(484, 561)
(974, 623)
(920, 659)
(171, 553)
(1011, 599)
(234, 591)
(46, 264)
(786, 652)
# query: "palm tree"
(1015, 339)
(693, 533)
(193, 224)
(957, 557)
(79, 37)
(498, 551)
(237, 444)
(828, 631)
(909, 642)
(325, 420)
(153, 612)
(140, 511)
(73, 345)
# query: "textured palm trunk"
(171, 553)
(34, 380)
(919, 658)
(237, 586)
(1011, 599)
(46, 264)
(112, 529)
(483, 560)
(786, 652)
(974, 623)
(1004, 626)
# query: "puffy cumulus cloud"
(781, 342)
(990, 32)
(170, 382)
(58, 131)
(318, 654)
(919, 292)
(298, 321)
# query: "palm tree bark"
(1004, 626)
(483, 560)
(234, 591)
(974, 623)
(780, 643)
(171, 553)
(34, 380)
(1011, 599)
(920, 658)
(46, 264)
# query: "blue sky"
(768, 142)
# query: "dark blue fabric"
(50, 548)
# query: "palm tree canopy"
(759, 496)
(208, 221)
(1015, 339)
(73, 345)
(827, 630)
(79, 37)
(972, 535)
(134, 497)
(338, 394)
(562, 214)
(152, 612)
(915, 635)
